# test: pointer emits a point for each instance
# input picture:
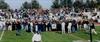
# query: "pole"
(91, 40)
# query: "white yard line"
(2, 34)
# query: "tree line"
(34, 4)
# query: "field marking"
(2, 34)
(78, 37)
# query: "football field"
(9, 36)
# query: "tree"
(66, 3)
(63, 3)
(90, 4)
(56, 4)
(35, 4)
(69, 2)
(26, 5)
(3, 5)
(98, 3)
(78, 4)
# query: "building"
(84, 1)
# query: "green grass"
(0, 32)
(9, 36)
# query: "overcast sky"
(15, 4)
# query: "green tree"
(90, 4)
(63, 3)
(69, 2)
(56, 4)
(3, 5)
(98, 3)
(26, 5)
(35, 4)
(78, 4)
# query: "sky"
(16, 4)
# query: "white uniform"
(69, 27)
(86, 27)
(36, 37)
(63, 27)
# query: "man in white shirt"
(36, 37)
(63, 27)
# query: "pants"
(79, 26)
(93, 31)
(86, 27)
(63, 31)
(48, 28)
(25, 27)
(69, 30)
(10, 28)
(31, 28)
(73, 29)
(17, 31)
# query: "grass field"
(9, 36)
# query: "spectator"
(69, 27)
(63, 27)
(92, 26)
(18, 27)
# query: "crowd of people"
(67, 20)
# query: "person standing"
(63, 27)
(86, 25)
(40, 26)
(58, 23)
(13, 25)
(92, 27)
(7, 24)
(66, 26)
(74, 26)
(18, 27)
(49, 26)
(31, 26)
(69, 27)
